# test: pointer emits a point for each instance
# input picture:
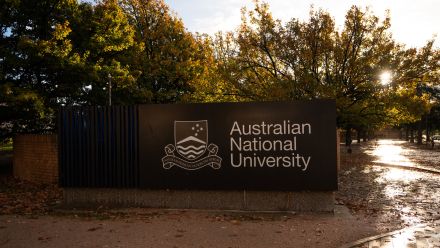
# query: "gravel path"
(148, 228)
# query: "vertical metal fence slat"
(73, 160)
(111, 153)
(118, 146)
(120, 151)
(116, 175)
(76, 135)
(95, 146)
(79, 149)
(136, 145)
(107, 144)
(86, 148)
(70, 151)
(97, 130)
(81, 146)
(89, 147)
(101, 130)
(118, 154)
(102, 160)
(114, 153)
(124, 152)
(129, 146)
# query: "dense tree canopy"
(64, 52)
(266, 60)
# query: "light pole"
(109, 89)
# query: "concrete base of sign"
(189, 199)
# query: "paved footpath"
(420, 236)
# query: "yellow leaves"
(61, 31)
(410, 103)
(76, 59)
(122, 76)
(59, 45)
(113, 32)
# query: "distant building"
(387, 133)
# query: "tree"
(363, 50)
(417, 81)
(308, 53)
(33, 53)
(249, 62)
(60, 53)
(173, 60)
(106, 40)
(265, 60)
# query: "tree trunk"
(406, 133)
(411, 138)
(348, 140)
(428, 136)
(419, 133)
(358, 136)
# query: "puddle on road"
(390, 152)
(414, 195)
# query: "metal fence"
(98, 146)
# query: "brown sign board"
(287, 146)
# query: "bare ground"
(31, 217)
(149, 228)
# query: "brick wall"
(36, 157)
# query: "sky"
(413, 22)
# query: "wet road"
(376, 182)
(402, 153)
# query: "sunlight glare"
(389, 153)
(385, 78)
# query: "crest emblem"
(191, 144)
(191, 138)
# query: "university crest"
(191, 144)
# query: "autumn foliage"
(55, 53)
